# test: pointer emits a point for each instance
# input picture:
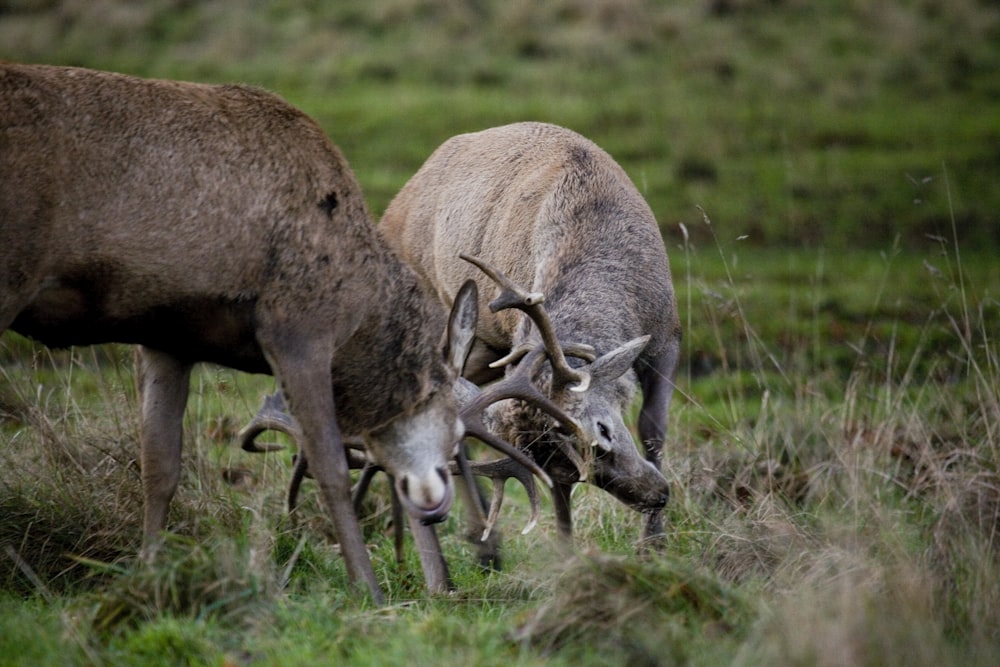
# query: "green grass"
(829, 507)
(825, 176)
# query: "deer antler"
(518, 385)
(273, 415)
(526, 360)
(499, 472)
(513, 295)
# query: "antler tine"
(300, 471)
(513, 295)
(579, 350)
(513, 356)
(461, 468)
(499, 472)
(272, 416)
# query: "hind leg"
(163, 392)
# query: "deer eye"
(603, 431)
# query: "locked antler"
(516, 384)
(513, 295)
(525, 360)
(273, 415)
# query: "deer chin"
(427, 499)
(648, 494)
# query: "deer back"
(552, 210)
(184, 216)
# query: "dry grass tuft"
(752, 544)
(843, 604)
(70, 482)
(645, 607)
(66, 495)
(227, 580)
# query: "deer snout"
(635, 482)
(661, 500)
(426, 498)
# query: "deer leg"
(436, 574)
(487, 550)
(163, 384)
(657, 381)
(305, 379)
(398, 535)
(561, 505)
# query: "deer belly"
(212, 329)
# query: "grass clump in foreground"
(648, 611)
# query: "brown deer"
(554, 212)
(219, 224)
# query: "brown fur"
(219, 224)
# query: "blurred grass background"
(836, 124)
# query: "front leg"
(657, 381)
(163, 385)
(432, 562)
(564, 515)
(306, 381)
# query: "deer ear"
(616, 363)
(462, 325)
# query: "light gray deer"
(219, 224)
(545, 208)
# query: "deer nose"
(662, 496)
(426, 498)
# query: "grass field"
(825, 176)
(789, 121)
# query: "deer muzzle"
(426, 497)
